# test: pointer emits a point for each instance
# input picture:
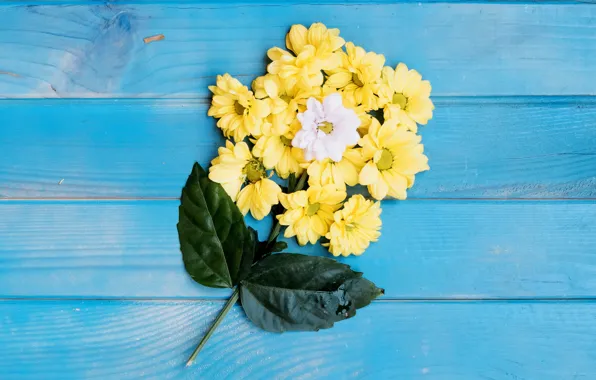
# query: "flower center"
(386, 160)
(312, 209)
(286, 141)
(350, 227)
(285, 98)
(254, 171)
(400, 100)
(357, 80)
(326, 127)
(239, 108)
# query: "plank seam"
(582, 99)
(244, 3)
(382, 300)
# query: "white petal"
(307, 119)
(335, 149)
(308, 155)
(319, 150)
(316, 108)
(331, 103)
(351, 138)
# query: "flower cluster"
(310, 117)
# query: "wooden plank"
(98, 50)
(485, 148)
(130, 340)
(277, 2)
(428, 249)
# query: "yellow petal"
(400, 78)
(260, 108)
(412, 85)
(269, 191)
(369, 174)
(316, 33)
(276, 53)
(296, 38)
(241, 151)
(397, 184)
(420, 109)
(379, 189)
(339, 80)
(244, 198)
(271, 88)
(232, 188)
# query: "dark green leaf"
(214, 239)
(278, 246)
(265, 249)
(293, 292)
(250, 250)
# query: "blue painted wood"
(493, 137)
(280, 2)
(478, 148)
(429, 249)
(131, 340)
(98, 50)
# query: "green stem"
(301, 182)
(216, 323)
(274, 232)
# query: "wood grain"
(429, 249)
(130, 340)
(97, 50)
(478, 148)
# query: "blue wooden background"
(489, 266)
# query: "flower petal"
(332, 102)
(369, 174)
(378, 190)
(296, 38)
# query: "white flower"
(327, 129)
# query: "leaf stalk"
(231, 301)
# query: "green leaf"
(265, 248)
(215, 242)
(250, 250)
(293, 292)
(278, 246)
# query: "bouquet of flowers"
(327, 115)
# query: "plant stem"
(301, 182)
(274, 232)
(216, 323)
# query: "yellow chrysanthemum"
(285, 102)
(240, 114)
(407, 96)
(258, 197)
(315, 50)
(358, 76)
(340, 173)
(309, 213)
(355, 226)
(236, 166)
(276, 150)
(325, 41)
(393, 156)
